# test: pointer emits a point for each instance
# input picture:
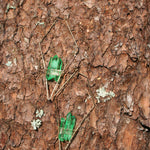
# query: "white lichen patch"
(36, 124)
(9, 64)
(39, 113)
(102, 93)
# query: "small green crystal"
(66, 127)
(54, 68)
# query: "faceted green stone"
(66, 127)
(54, 68)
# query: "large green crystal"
(66, 127)
(54, 68)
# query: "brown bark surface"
(113, 37)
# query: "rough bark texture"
(113, 37)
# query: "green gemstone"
(66, 127)
(54, 68)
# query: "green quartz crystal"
(66, 127)
(54, 68)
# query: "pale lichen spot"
(9, 64)
(36, 124)
(102, 93)
(39, 113)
